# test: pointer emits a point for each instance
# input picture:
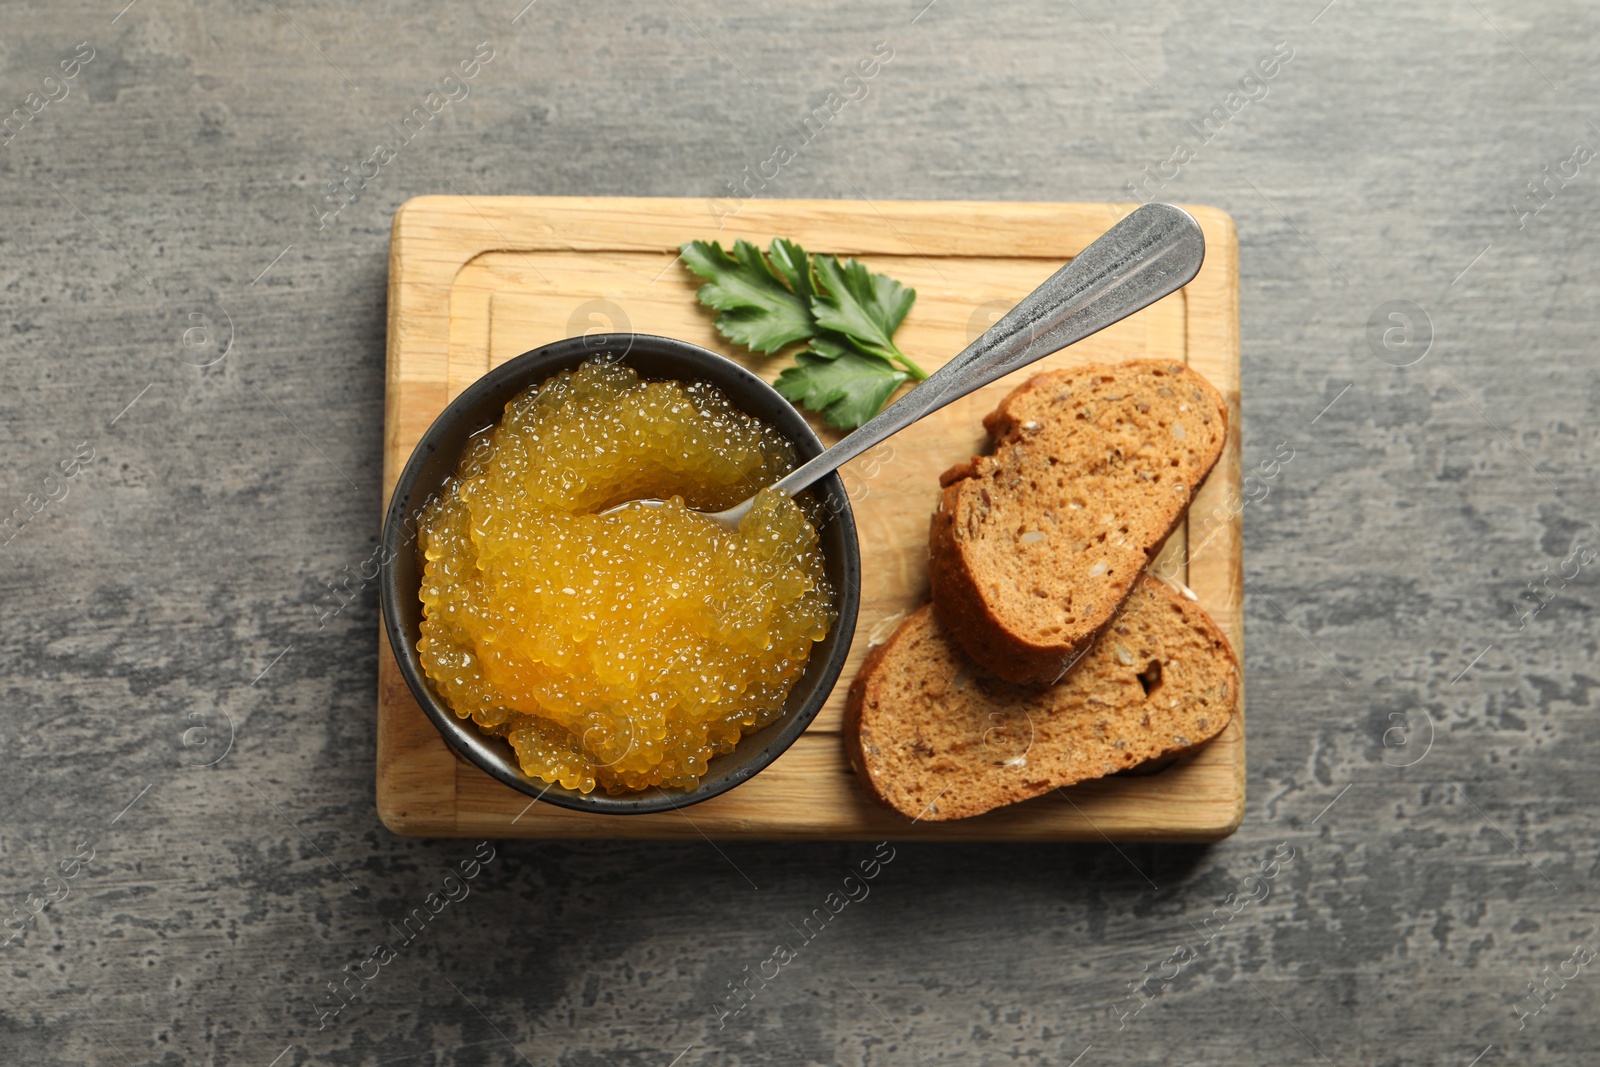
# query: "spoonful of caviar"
(1154, 251)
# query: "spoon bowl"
(729, 518)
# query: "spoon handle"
(1152, 252)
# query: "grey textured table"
(192, 395)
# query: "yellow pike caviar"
(622, 650)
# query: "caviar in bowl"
(574, 664)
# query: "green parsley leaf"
(758, 311)
(793, 265)
(847, 313)
(847, 389)
(865, 307)
(831, 345)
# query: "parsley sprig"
(846, 314)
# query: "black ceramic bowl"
(480, 407)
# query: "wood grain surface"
(475, 281)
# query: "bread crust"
(981, 614)
(852, 707)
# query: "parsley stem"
(916, 372)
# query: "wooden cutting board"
(474, 281)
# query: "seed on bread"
(935, 736)
(1034, 547)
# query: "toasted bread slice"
(935, 736)
(1034, 548)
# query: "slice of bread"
(1034, 548)
(936, 737)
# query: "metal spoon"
(1154, 251)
